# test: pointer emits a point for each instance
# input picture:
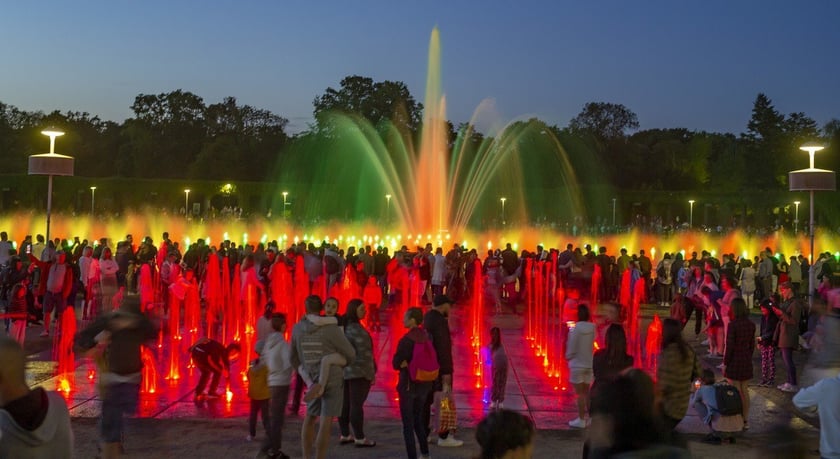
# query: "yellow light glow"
(52, 132)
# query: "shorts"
(329, 404)
(581, 376)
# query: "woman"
(579, 354)
(108, 279)
(358, 376)
(737, 358)
(412, 394)
(608, 362)
(505, 434)
(678, 367)
(748, 283)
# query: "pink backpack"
(423, 366)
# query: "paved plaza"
(170, 424)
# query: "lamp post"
(388, 207)
(92, 199)
(690, 213)
(796, 218)
(613, 199)
(50, 164)
(503, 209)
(285, 202)
(187, 203)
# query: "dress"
(740, 345)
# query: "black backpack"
(728, 399)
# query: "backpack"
(331, 264)
(423, 366)
(728, 399)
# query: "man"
(121, 332)
(5, 248)
(789, 313)
(213, 360)
(277, 355)
(310, 343)
(59, 282)
(34, 423)
(824, 397)
(436, 323)
(765, 275)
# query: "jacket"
(364, 366)
(580, 345)
(311, 342)
(42, 433)
(278, 358)
(674, 379)
(788, 330)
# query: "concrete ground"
(170, 424)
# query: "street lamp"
(690, 213)
(285, 195)
(50, 164)
(796, 218)
(388, 207)
(92, 199)
(613, 199)
(187, 203)
(503, 209)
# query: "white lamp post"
(503, 209)
(285, 202)
(92, 199)
(388, 207)
(690, 213)
(50, 164)
(187, 203)
(613, 199)
(796, 218)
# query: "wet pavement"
(170, 424)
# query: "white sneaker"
(577, 423)
(787, 387)
(449, 442)
(704, 343)
(249, 438)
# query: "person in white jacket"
(579, 350)
(277, 354)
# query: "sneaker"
(705, 342)
(577, 423)
(249, 438)
(721, 366)
(346, 440)
(786, 387)
(712, 439)
(44, 334)
(449, 442)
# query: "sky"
(696, 65)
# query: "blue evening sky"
(675, 63)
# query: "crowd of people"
(330, 350)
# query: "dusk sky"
(697, 65)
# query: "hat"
(442, 299)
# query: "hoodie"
(311, 342)
(36, 426)
(579, 347)
(277, 356)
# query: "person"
(116, 338)
(678, 367)
(259, 396)
(277, 354)
(436, 323)
(310, 343)
(737, 359)
(579, 348)
(373, 298)
(705, 404)
(34, 423)
(505, 434)
(18, 312)
(412, 394)
(714, 320)
(748, 283)
(767, 343)
(59, 281)
(609, 361)
(316, 389)
(358, 377)
(499, 361)
(824, 398)
(825, 344)
(788, 313)
(213, 359)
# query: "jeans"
(279, 399)
(787, 357)
(412, 402)
(259, 407)
(119, 399)
(353, 411)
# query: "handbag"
(448, 417)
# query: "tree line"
(178, 135)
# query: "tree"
(605, 121)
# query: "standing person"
(310, 343)
(824, 397)
(748, 283)
(373, 298)
(34, 423)
(436, 323)
(107, 272)
(610, 360)
(358, 377)
(117, 336)
(579, 348)
(59, 282)
(788, 313)
(499, 360)
(413, 394)
(824, 361)
(737, 359)
(18, 312)
(277, 354)
(767, 343)
(260, 397)
(678, 367)
(213, 359)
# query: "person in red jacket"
(373, 299)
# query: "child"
(704, 402)
(316, 390)
(714, 321)
(767, 343)
(373, 299)
(499, 360)
(260, 396)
